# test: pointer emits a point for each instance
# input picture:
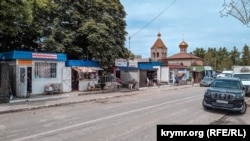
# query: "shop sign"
(121, 63)
(133, 63)
(44, 56)
(24, 62)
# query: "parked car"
(225, 93)
(206, 81)
(227, 73)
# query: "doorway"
(24, 81)
(29, 81)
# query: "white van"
(227, 73)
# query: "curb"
(79, 101)
(61, 104)
(40, 99)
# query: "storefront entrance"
(24, 81)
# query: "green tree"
(17, 16)
(82, 29)
(235, 56)
(245, 55)
(90, 30)
(199, 52)
(210, 57)
(101, 33)
(222, 56)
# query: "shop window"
(45, 70)
(22, 75)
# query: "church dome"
(183, 44)
(159, 34)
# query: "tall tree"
(222, 56)
(17, 16)
(200, 52)
(210, 57)
(83, 29)
(90, 30)
(102, 32)
(245, 55)
(235, 56)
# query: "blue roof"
(148, 65)
(127, 68)
(12, 55)
(81, 63)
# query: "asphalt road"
(132, 118)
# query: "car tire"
(205, 107)
(244, 109)
(247, 95)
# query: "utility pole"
(129, 42)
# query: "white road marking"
(104, 118)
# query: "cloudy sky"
(199, 22)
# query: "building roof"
(81, 63)
(183, 55)
(176, 66)
(158, 43)
(183, 44)
(148, 65)
(27, 55)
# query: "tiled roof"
(176, 66)
(182, 55)
(158, 43)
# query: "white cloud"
(199, 21)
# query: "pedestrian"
(177, 80)
(130, 85)
(147, 80)
(192, 81)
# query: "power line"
(152, 20)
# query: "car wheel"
(205, 107)
(244, 108)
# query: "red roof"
(176, 66)
(183, 55)
(158, 43)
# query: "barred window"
(45, 70)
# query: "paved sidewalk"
(45, 101)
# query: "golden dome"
(183, 44)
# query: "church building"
(183, 64)
(158, 50)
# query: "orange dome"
(183, 44)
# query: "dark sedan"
(206, 81)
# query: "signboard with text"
(44, 56)
(121, 63)
(133, 63)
